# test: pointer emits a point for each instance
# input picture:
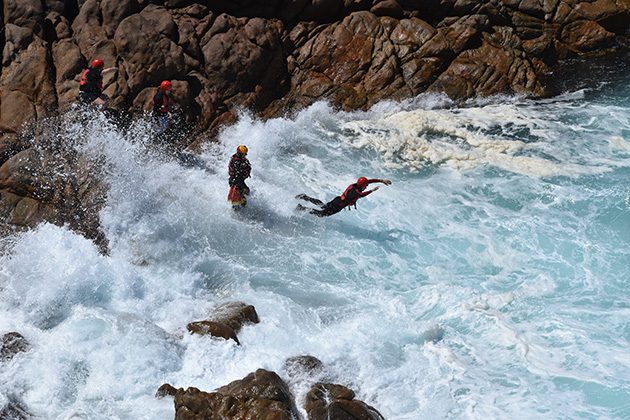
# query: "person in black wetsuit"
(161, 103)
(239, 171)
(347, 199)
(91, 85)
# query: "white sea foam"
(449, 294)
(461, 139)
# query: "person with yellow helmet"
(346, 200)
(239, 170)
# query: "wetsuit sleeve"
(371, 181)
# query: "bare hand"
(386, 182)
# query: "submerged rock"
(226, 321)
(304, 366)
(12, 343)
(15, 410)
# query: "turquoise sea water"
(489, 281)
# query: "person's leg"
(101, 102)
(329, 208)
(310, 199)
(87, 98)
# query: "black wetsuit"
(160, 104)
(91, 86)
(239, 170)
(348, 198)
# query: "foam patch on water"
(459, 139)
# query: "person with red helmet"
(239, 170)
(161, 100)
(91, 84)
(346, 200)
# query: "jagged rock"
(215, 329)
(57, 26)
(62, 187)
(261, 395)
(586, 36)
(19, 212)
(227, 320)
(26, 13)
(69, 63)
(336, 402)
(12, 343)
(14, 410)
(235, 314)
(87, 28)
(26, 89)
(167, 390)
(304, 366)
(239, 56)
(146, 42)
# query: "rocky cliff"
(270, 57)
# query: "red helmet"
(166, 86)
(362, 182)
(98, 63)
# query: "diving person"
(91, 84)
(346, 200)
(239, 171)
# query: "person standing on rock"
(91, 85)
(347, 199)
(161, 115)
(239, 170)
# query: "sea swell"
(476, 287)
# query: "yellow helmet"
(242, 149)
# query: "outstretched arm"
(109, 70)
(384, 181)
(370, 181)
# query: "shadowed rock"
(336, 402)
(261, 395)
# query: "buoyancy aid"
(88, 84)
(353, 200)
(160, 105)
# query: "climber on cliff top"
(346, 200)
(91, 85)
